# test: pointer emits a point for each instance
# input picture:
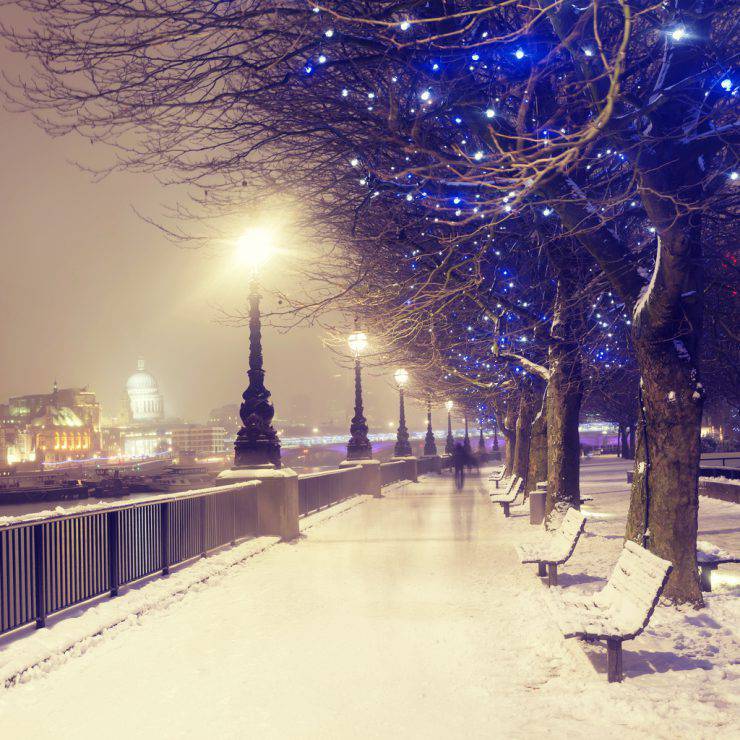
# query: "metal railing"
(50, 563)
(320, 490)
(428, 465)
(391, 472)
(721, 458)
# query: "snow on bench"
(621, 610)
(497, 475)
(709, 558)
(509, 495)
(557, 549)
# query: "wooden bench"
(708, 562)
(509, 495)
(497, 475)
(621, 610)
(557, 549)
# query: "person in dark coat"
(459, 460)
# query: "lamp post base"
(371, 475)
(277, 497)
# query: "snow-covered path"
(407, 616)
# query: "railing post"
(234, 495)
(113, 569)
(202, 526)
(164, 532)
(39, 552)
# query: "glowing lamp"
(448, 406)
(255, 247)
(401, 377)
(357, 341)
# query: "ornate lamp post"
(257, 443)
(403, 447)
(430, 445)
(495, 436)
(450, 444)
(358, 447)
(466, 440)
(481, 438)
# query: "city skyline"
(113, 289)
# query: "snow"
(402, 617)
(647, 290)
(557, 546)
(681, 350)
(720, 479)
(709, 552)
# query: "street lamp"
(403, 447)
(466, 440)
(358, 447)
(430, 445)
(257, 443)
(481, 438)
(450, 444)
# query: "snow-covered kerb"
(64, 512)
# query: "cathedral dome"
(141, 381)
(145, 401)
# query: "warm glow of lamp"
(357, 341)
(255, 247)
(401, 377)
(448, 406)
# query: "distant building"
(227, 417)
(201, 441)
(145, 403)
(52, 427)
(144, 441)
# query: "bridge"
(405, 615)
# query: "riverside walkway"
(407, 616)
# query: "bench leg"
(505, 507)
(705, 577)
(541, 570)
(496, 485)
(614, 660)
(552, 574)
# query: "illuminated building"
(52, 427)
(226, 417)
(144, 399)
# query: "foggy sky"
(88, 287)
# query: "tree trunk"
(666, 332)
(527, 410)
(631, 447)
(508, 428)
(537, 469)
(665, 501)
(564, 396)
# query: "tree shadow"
(703, 620)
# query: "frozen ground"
(406, 617)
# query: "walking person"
(459, 459)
